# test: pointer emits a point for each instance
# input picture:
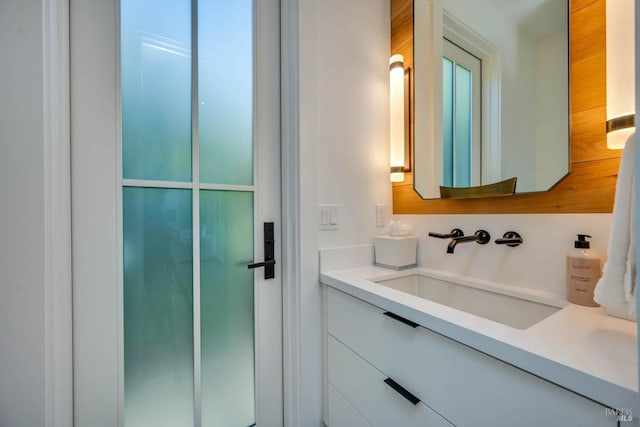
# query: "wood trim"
(589, 187)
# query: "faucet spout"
(480, 236)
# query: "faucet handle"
(456, 232)
(483, 237)
(510, 238)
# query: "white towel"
(617, 285)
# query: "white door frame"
(57, 282)
(291, 233)
(58, 381)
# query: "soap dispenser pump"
(583, 272)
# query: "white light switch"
(324, 217)
(328, 215)
(333, 217)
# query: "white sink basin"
(511, 311)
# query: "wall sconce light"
(397, 118)
(620, 72)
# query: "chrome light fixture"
(620, 72)
(397, 118)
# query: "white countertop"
(580, 348)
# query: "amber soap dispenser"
(583, 272)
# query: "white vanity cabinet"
(455, 384)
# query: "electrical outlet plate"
(328, 217)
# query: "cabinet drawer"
(364, 386)
(466, 386)
(342, 413)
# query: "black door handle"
(261, 264)
(269, 251)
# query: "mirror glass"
(491, 93)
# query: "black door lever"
(262, 264)
(269, 260)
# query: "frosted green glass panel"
(225, 91)
(447, 121)
(227, 307)
(158, 307)
(462, 155)
(156, 89)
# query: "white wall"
(22, 297)
(539, 263)
(344, 73)
(352, 115)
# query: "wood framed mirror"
(590, 185)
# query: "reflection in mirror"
(491, 93)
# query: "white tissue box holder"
(395, 252)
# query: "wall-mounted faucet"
(510, 238)
(481, 237)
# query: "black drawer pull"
(402, 391)
(401, 319)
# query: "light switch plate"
(381, 215)
(328, 218)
